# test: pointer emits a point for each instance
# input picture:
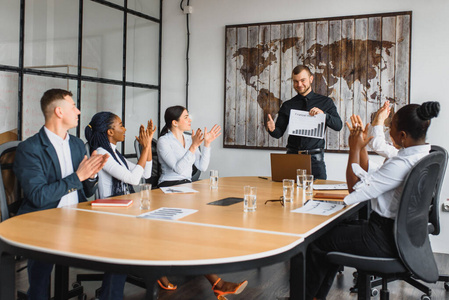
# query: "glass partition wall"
(107, 53)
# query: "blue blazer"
(37, 168)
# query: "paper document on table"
(303, 124)
(319, 208)
(177, 190)
(168, 213)
(338, 186)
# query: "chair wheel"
(425, 297)
(76, 284)
(82, 297)
(374, 292)
(446, 286)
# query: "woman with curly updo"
(382, 187)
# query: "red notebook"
(112, 202)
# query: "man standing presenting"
(315, 104)
(54, 171)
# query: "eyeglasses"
(281, 200)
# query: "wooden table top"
(212, 234)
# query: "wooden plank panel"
(347, 82)
(310, 47)
(334, 82)
(275, 78)
(231, 79)
(286, 69)
(251, 92)
(388, 59)
(299, 48)
(322, 57)
(374, 57)
(263, 98)
(402, 72)
(360, 68)
(242, 44)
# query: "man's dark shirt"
(306, 103)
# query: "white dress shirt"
(378, 143)
(62, 148)
(119, 171)
(384, 186)
(177, 160)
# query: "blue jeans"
(39, 279)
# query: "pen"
(263, 177)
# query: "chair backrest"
(10, 191)
(411, 225)
(434, 213)
(156, 171)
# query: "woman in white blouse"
(382, 187)
(119, 174)
(177, 154)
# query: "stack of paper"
(168, 213)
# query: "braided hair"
(97, 136)
(415, 119)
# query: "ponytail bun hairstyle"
(173, 113)
(415, 119)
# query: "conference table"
(214, 239)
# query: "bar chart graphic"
(303, 124)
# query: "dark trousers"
(39, 279)
(368, 238)
(172, 183)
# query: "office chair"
(416, 260)
(156, 171)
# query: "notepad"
(177, 190)
(330, 195)
(112, 202)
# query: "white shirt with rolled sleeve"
(177, 160)
(113, 169)
(384, 186)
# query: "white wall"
(206, 99)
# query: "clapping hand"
(151, 129)
(144, 137)
(210, 136)
(382, 114)
(89, 167)
(358, 137)
(197, 139)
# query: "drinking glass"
(289, 187)
(249, 198)
(300, 173)
(213, 179)
(145, 189)
(308, 185)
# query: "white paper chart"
(168, 213)
(303, 124)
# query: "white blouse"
(119, 171)
(384, 186)
(177, 160)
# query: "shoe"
(169, 287)
(220, 294)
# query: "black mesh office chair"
(416, 259)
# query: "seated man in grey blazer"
(54, 171)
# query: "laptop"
(284, 166)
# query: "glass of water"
(308, 185)
(300, 173)
(249, 198)
(213, 179)
(145, 189)
(289, 187)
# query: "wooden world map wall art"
(358, 61)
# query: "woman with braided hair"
(382, 187)
(119, 174)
